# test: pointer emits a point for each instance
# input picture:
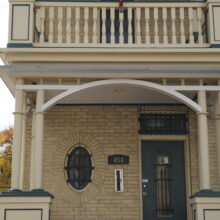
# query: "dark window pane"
(79, 168)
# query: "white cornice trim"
(109, 55)
(112, 71)
(67, 87)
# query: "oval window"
(79, 168)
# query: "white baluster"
(112, 18)
(156, 36)
(147, 28)
(95, 20)
(68, 25)
(182, 29)
(191, 37)
(51, 19)
(173, 19)
(77, 17)
(42, 20)
(138, 25)
(121, 29)
(104, 25)
(199, 19)
(129, 25)
(60, 28)
(165, 37)
(86, 27)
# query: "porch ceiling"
(117, 94)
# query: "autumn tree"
(6, 137)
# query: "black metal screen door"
(163, 180)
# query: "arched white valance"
(139, 83)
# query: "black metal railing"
(79, 168)
(163, 124)
(163, 183)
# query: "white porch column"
(17, 137)
(23, 142)
(32, 151)
(38, 148)
(203, 148)
(217, 124)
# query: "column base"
(205, 205)
(20, 205)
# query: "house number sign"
(118, 159)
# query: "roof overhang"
(9, 73)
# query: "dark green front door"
(163, 180)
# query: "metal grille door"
(163, 180)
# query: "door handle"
(145, 180)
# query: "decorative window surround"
(98, 160)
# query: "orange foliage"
(6, 136)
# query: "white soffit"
(135, 71)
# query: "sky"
(6, 99)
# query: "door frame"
(185, 140)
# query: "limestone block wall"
(106, 130)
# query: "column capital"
(39, 112)
(18, 113)
(202, 113)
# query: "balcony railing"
(96, 24)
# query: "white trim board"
(153, 86)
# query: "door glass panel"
(163, 184)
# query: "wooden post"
(203, 148)
(17, 137)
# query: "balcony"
(134, 25)
(105, 25)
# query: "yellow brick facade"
(107, 130)
(63, 57)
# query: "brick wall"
(104, 130)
